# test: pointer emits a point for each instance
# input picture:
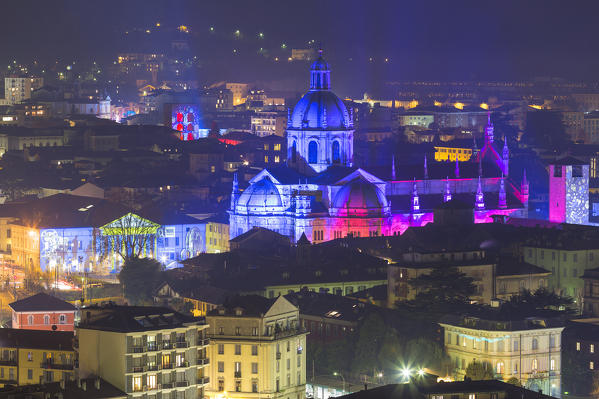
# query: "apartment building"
(147, 352)
(528, 349)
(19, 88)
(257, 349)
(35, 356)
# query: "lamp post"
(342, 378)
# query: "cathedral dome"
(262, 193)
(320, 109)
(362, 196)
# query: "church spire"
(524, 189)
(502, 196)
(447, 194)
(480, 199)
(489, 130)
(505, 157)
(457, 168)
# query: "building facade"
(529, 350)
(569, 191)
(257, 350)
(35, 357)
(19, 88)
(43, 312)
(147, 352)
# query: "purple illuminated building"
(320, 192)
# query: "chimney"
(97, 383)
(84, 385)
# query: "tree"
(139, 277)
(546, 129)
(370, 336)
(479, 371)
(514, 381)
(443, 285)
(130, 237)
(526, 302)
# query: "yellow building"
(257, 350)
(144, 351)
(217, 236)
(19, 244)
(35, 356)
(450, 154)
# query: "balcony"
(166, 385)
(203, 380)
(168, 366)
(138, 369)
(153, 367)
(183, 364)
(167, 345)
(137, 349)
(152, 347)
(8, 362)
(182, 384)
(238, 374)
(182, 344)
(56, 366)
(203, 362)
(204, 342)
(8, 382)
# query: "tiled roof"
(41, 302)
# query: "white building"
(527, 349)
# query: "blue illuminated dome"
(360, 194)
(262, 193)
(320, 108)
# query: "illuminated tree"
(130, 237)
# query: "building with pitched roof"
(43, 312)
(322, 194)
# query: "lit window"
(592, 365)
(137, 384)
(592, 348)
(552, 364)
(266, 159)
(277, 147)
(277, 159)
(535, 364)
(578, 346)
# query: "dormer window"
(238, 312)
(221, 311)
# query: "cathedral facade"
(321, 194)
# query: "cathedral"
(321, 194)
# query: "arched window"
(499, 367)
(336, 155)
(313, 152)
(500, 346)
(63, 319)
(46, 319)
(535, 344)
(30, 320)
(294, 151)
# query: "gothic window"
(313, 152)
(336, 155)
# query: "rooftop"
(41, 302)
(89, 388)
(36, 339)
(133, 318)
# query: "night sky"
(422, 39)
